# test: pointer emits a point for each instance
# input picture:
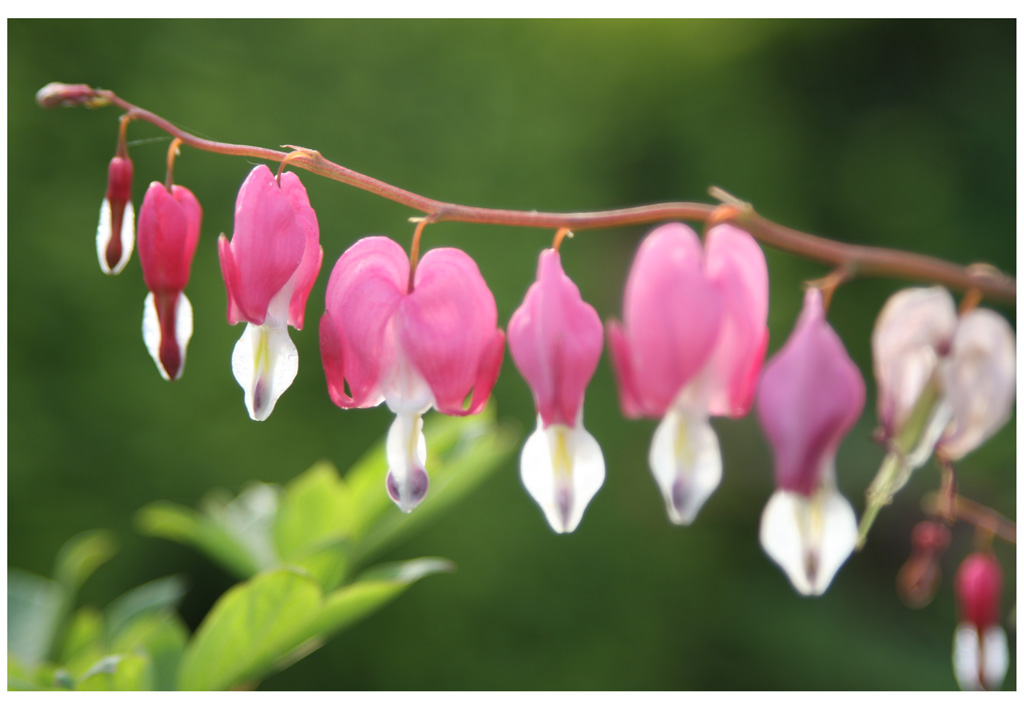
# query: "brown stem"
(957, 507)
(857, 260)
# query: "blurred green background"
(899, 133)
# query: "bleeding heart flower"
(168, 233)
(692, 346)
(556, 339)
(980, 652)
(269, 268)
(943, 380)
(811, 394)
(115, 235)
(413, 346)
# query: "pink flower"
(692, 346)
(412, 346)
(556, 339)
(168, 234)
(269, 268)
(944, 380)
(811, 395)
(980, 649)
(115, 235)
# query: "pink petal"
(811, 394)
(979, 588)
(168, 232)
(447, 327)
(622, 364)
(312, 256)
(735, 265)
(672, 316)
(357, 337)
(556, 340)
(267, 245)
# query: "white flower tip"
(411, 491)
(562, 469)
(809, 537)
(686, 463)
(169, 355)
(980, 663)
(264, 362)
(407, 481)
(107, 249)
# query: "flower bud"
(115, 235)
(980, 649)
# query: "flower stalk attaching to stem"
(859, 260)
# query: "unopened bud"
(57, 94)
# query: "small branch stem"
(956, 507)
(857, 260)
(172, 152)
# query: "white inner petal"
(980, 665)
(103, 236)
(264, 363)
(407, 480)
(686, 462)
(151, 333)
(562, 469)
(809, 537)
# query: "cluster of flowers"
(691, 346)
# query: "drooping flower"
(980, 650)
(412, 345)
(269, 268)
(168, 233)
(811, 394)
(943, 380)
(555, 339)
(691, 347)
(115, 235)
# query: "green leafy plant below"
(299, 550)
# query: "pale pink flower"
(961, 369)
(556, 340)
(980, 650)
(115, 234)
(811, 394)
(691, 347)
(168, 233)
(269, 267)
(411, 346)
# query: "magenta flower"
(413, 346)
(691, 347)
(980, 650)
(168, 233)
(115, 235)
(811, 395)
(556, 339)
(269, 267)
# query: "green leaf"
(277, 617)
(316, 509)
(118, 672)
(157, 595)
(81, 556)
(253, 625)
(480, 449)
(183, 525)
(327, 564)
(374, 588)
(84, 638)
(159, 635)
(34, 607)
(248, 518)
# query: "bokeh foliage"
(898, 133)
